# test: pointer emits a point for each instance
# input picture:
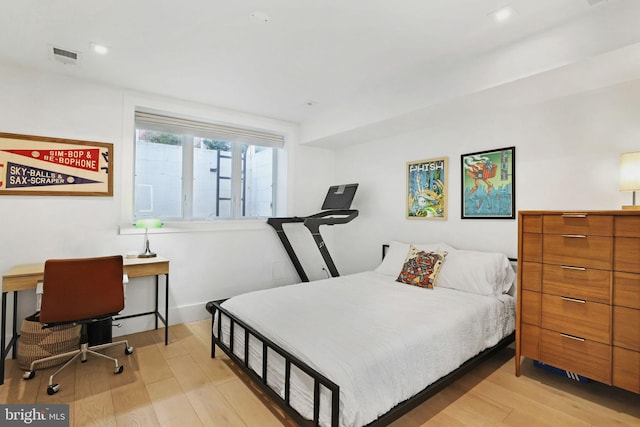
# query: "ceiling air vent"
(65, 56)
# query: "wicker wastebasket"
(36, 342)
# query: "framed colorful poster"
(427, 189)
(35, 165)
(488, 184)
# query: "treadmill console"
(339, 197)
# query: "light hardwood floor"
(180, 385)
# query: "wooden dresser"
(579, 293)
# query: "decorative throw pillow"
(397, 253)
(421, 268)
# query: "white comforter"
(379, 340)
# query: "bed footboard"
(217, 311)
(318, 379)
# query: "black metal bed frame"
(396, 412)
(261, 381)
(214, 307)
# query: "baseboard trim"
(177, 315)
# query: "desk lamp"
(147, 224)
(630, 176)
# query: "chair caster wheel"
(119, 370)
(29, 375)
(53, 389)
(128, 350)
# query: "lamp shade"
(148, 223)
(630, 172)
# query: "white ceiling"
(361, 62)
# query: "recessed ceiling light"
(100, 49)
(503, 14)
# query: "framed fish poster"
(488, 184)
(36, 165)
(427, 189)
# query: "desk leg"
(157, 278)
(15, 325)
(166, 307)
(4, 332)
(166, 310)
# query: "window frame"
(238, 184)
(283, 198)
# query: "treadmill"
(335, 210)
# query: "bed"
(364, 349)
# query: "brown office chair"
(81, 291)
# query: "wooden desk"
(26, 276)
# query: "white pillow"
(433, 247)
(397, 253)
(483, 273)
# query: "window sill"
(198, 226)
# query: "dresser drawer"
(532, 247)
(579, 318)
(531, 307)
(626, 251)
(577, 223)
(531, 276)
(626, 328)
(530, 341)
(531, 223)
(626, 289)
(626, 369)
(577, 250)
(627, 226)
(577, 282)
(584, 357)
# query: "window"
(188, 170)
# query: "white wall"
(204, 265)
(567, 157)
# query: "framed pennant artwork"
(35, 165)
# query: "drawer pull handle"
(572, 337)
(575, 236)
(568, 267)
(574, 215)
(581, 301)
